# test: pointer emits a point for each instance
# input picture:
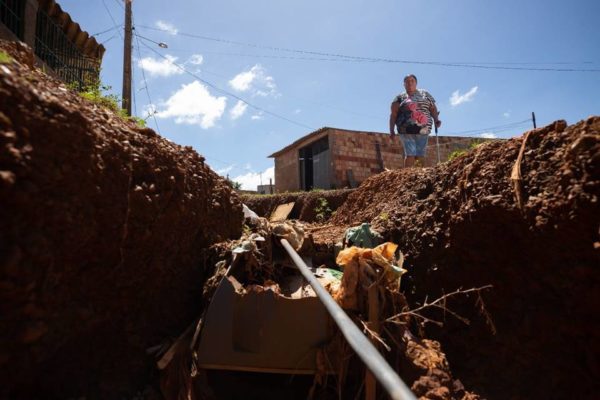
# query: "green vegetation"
(384, 216)
(322, 210)
(5, 58)
(138, 121)
(234, 185)
(95, 94)
(457, 153)
(460, 153)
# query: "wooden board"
(281, 212)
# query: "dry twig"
(440, 303)
(515, 175)
(374, 335)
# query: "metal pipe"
(374, 361)
(437, 143)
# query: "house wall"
(357, 151)
(287, 171)
(287, 168)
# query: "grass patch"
(95, 94)
(5, 58)
(460, 153)
(322, 210)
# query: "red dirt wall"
(102, 227)
(459, 226)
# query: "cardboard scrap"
(282, 212)
(363, 267)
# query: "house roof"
(314, 135)
(305, 138)
(83, 41)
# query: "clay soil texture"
(312, 206)
(102, 230)
(461, 224)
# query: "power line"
(374, 59)
(482, 130)
(151, 112)
(112, 18)
(107, 30)
(268, 56)
(493, 128)
(342, 59)
(109, 39)
(308, 101)
(225, 92)
(160, 44)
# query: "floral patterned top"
(414, 116)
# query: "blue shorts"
(414, 145)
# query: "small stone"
(7, 178)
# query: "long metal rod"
(374, 361)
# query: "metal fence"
(54, 48)
(11, 15)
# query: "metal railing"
(60, 54)
(389, 379)
(11, 15)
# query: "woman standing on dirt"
(412, 114)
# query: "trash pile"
(262, 315)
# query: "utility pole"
(126, 104)
(533, 119)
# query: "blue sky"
(299, 92)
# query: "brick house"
(332, 158)
(60, 45)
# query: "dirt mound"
(309, 207)
(19, 52)
(460, 225)
(102, 228)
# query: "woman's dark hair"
(410, 76)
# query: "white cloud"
(194, 105)
(226, 170)
(297, 111)
(256, 81)
(238, 110)
(257, 117)
(165, 26)
(149, 110)
(488, 135)
(158, 67)
(506, 114)
(251, 180)
(196, 59)
(458, 98)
